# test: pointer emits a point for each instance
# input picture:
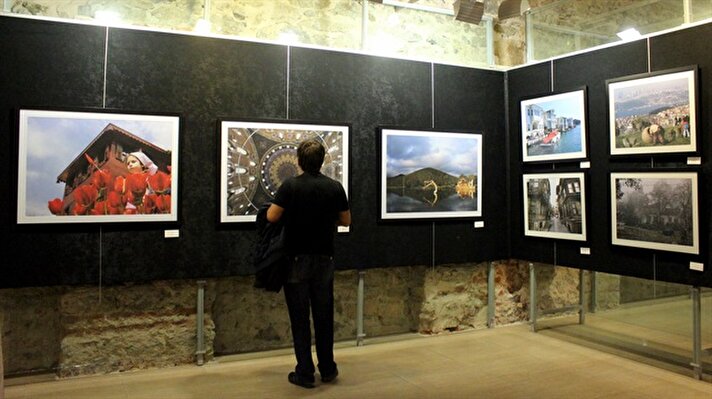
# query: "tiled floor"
(506, 362)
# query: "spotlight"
(470, 11)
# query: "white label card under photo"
(700, 267)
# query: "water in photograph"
(569, 142)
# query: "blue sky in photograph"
(652, 88)
(54, 142)
(453, 155)
(646, 97)
(564, 107)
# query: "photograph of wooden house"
(555, 205)
(655, 210)
(89, 167)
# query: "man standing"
(312, 205)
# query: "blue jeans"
(310, 287)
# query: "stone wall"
(558, 27)
(88, 330)
(127, 327)
(31, 330)
(637, 289)
(335, 24)
(2, 368)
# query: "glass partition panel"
(335, 24)
(700, 10)
(400, 29)
(706, 333)
(434, 36)
(566, 26)
(179, 15)
(651, 318)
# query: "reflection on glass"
(568, 26)
(706, 330)
(646, 316)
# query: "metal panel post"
(528, 36)
(489, 25)
(2, 380)
(364, 25)
(532, 297)
(594, 292)
(490, 296)
(696, 333)
(359, 309)
(200, 324)
(582, 306)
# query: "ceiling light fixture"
(288, 37)
(202, 26)
(629, 34)
(107, 17)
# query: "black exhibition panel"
(366, 92)
(472, 99)
(524, 82)
(44, 64)
(202, 79)
(590, 70)
(679, 49)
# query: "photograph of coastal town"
(428, 174)
(653, 114)
(554, 127)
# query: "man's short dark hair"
(310, 155)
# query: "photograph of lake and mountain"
(653, 114)
(428, 174)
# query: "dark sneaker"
(302, 381)
(330, 377)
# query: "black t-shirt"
(311, 208)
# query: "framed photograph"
(428, 174)
(555, 205)
(257, 156)
(554, 127)
(96, 167)
(653, 113)
(655, 210)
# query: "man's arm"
(274, 213)
(344, 218)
